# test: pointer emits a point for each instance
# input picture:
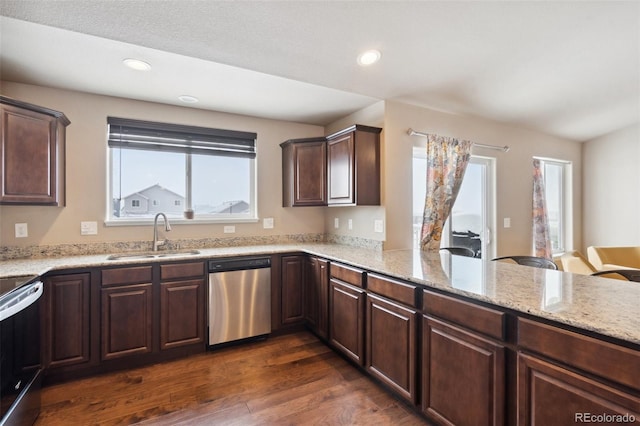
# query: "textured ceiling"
(566, 68)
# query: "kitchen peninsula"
(539, 343)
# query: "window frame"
(565, 231)
(250, 217)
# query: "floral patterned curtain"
(447, 160)
(541, 235)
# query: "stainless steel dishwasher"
(239, 298)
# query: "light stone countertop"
(605, 306)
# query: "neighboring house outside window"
(174, 169)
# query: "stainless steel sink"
(152, 254)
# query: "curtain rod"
(505, 148)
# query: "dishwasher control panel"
(238, 263)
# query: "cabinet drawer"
(132, 275)
(348, 275)
(474, 317)
(181, 270)
(586, 353)
(396, 290)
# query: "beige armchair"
(576, 263)
(603, 258)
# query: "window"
(557, 186)
(176, 169)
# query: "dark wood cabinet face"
(67, 320)
(549, 394)
(304, 173)
(292, 303)
(31, 157)
(341, 173)
(392, 345)
(463, 376)
(181, 313)
(127, 320)
(346, 319)
(316, 294)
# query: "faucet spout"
(157, 243)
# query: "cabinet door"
(316, 294)
(29, 157)
(310, 174)
(66, 325)
(549, 394)
(127, 320)
(346, 319)
(181, 313)
(391, 345)
(292, 302)
(461, 369)
(341, 173)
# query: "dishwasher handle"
(237, 264)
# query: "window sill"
(203, 221)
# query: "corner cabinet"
(353, 166)
(304, 172)
(32, 154)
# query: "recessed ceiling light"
(369, 57)
(137, 64)
(188, 99)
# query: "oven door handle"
(25, 298)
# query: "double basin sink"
(152, 254)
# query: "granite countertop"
(605, 306)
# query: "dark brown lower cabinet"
(316, 295)
(66, 325)
(181, 313)
(391, 336)
(127, 320)
(346, 319)
(292, 300)
(463, 376)
(549, 394)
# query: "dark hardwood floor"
(286, 380)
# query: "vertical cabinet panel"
(66, 328)
(463, 376)
(340, 161)
(181, 313)
(346, 319)
(292, 298)
(127, 320)
(391, 345)
(316, 294)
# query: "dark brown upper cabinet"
(340, 169)
(32, 154)
(353, 166)
(304, 172)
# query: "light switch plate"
(88, 228)
(267, 223)
(229, 229)
(22, 230)
(507, 222)
(336, 223)
(350, 224)
(378, 225)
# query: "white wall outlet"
(336, 223)
(88, 228)
(229, 229)
(350, 224)
(507, 222)
(378, 225)
(22, 231)
(267, 223)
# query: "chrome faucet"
(157, 243)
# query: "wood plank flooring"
(286, 380)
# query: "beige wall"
(612, 189)
(514, 171)
(87, 175)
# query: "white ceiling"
(568, 68)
